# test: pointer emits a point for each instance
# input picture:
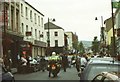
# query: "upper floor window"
(21, 8)
(22, 29)
(56, 33)
(39, 20)
(36, 33)
(26, 10)
(42, 22)
(32, 30)
(35, 17)
(31, 15)
(39, 34)
(26, 27)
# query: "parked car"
(5, 75)
(101, 58)
(95, 67)
(107, 77)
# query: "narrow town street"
(70, 74)
(52, 35)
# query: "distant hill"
(87, 43)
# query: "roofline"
(54, 25)
(33, 7)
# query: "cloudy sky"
(76, 15)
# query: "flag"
(116, 4)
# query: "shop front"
(11, 43)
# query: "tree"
(75, 46)
(95, 45)
(81, 48)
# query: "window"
(35, 17)
(39, 35)
(12, 18)
(47, 33)
(42, 22)
(56, 33)
(17, 20)
(31, 15)
(21, 9)
(26, 27)
(31, 30)
(22, 28)
(39, 20)
(26, 10)
(56, 43)
(36, 33)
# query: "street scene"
(58, 40)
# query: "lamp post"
(102, 34)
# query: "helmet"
(53, 53)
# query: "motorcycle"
(54, 68)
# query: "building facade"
(22, 30)
(56, 36)
(11, 32)
(109, 35)
(70, 41)
(117, 24)
(32, 27)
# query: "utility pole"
(114, 45)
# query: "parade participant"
(54, 65)
(64, 62)
(7, 61)
(43, 63)
(51, 61)
(83, 62)
(23, 63)
(77, 62)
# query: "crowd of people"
(66, 60)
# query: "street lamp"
(102, 34)
(48, 40)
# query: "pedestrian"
(83, 62)
(64, 62)
(43, 63)
(77, 64)
(7, 61)
(23, 64)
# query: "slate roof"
(52, 26)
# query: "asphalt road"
(70, 74)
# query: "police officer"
(52, 60)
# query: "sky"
(77, 16)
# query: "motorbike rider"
(52, 60)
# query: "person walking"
(64, 62)
(7, 61)
(77, 64)
(23, 64)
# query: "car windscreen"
(95, 69)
